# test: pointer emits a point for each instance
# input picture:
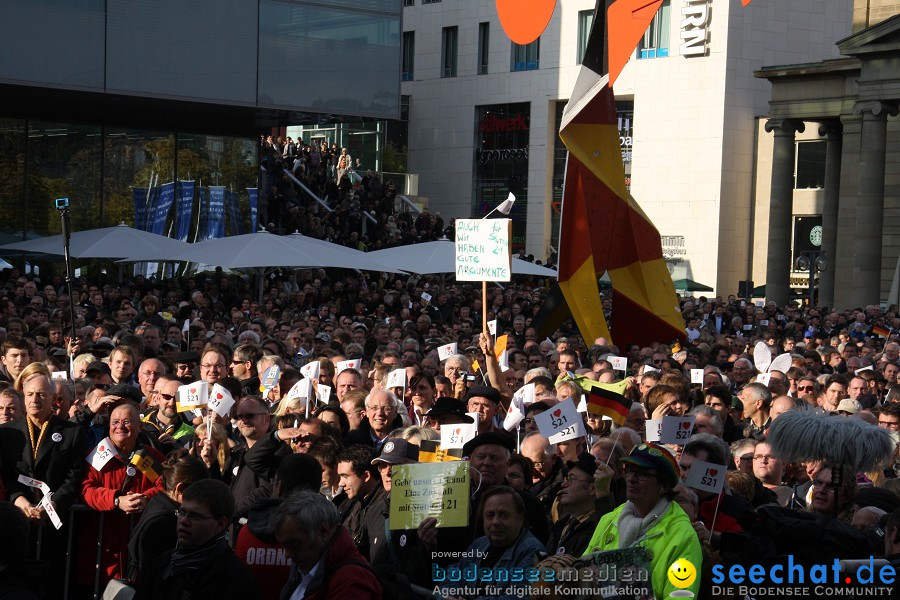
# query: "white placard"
(764, 322)
(343, 365)
(192, 395)
(220, 400)
(47, 505)
(311, 369)
(101, 454)
(482, 250)
(707, 477)
(748, 327)
(35, 483)
(323, 393)
(59, 375)
(446, 351)
(562, 418)
(869, 368)
(619, 363)
(570, 433)
(649, 369)
(676, 430)
(654, 429)
(396, 378)
(492, 327)
(426, 296)
(514, 416)
(697, 376)
(582, 406)
(503, 361)
(456, 435)
(301, 389)
(526, 393)
(763, 378)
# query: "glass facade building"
(103, 97)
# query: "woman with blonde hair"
(30, 371)
(290, 406)
(213, 450)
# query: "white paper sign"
(445, 352)
(869, 368)
(311, 369)
(764, 322)
(426, 296)
(35, 483)
(649, 369)
(492, 327)
(59, 375)
(654, 429)
(707, 477)
(619, 363)
(676, 430)
(192, 395)
(101, 454)
(562, 418)
(526, 392)
(503, 361)
(47, 505)
(763, 378)
(569, 433)
(582, 406)
(513, 416)
(220, 400)
(343, 365)
(456, 435)
(482, 250)
(697, 376)
(301, 389)
(323, 393)
(396, 378)
(748, 327)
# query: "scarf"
(187, 561)
(633, 528)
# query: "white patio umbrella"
(440, 257)
(264, 251)
(107, 242)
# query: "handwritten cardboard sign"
(482, 250)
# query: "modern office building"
(484, 115)
(110, 101)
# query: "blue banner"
(234, 213)
(184, 209)
(254, 198)
(157, 222)
(140, 207)
(204, 211)
(215, 225)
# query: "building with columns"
(846, 107)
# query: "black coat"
(154, 533)
(222, 575)
(59, 462)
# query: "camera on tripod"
(62, 203)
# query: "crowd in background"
(292, 493)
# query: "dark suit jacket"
(59, 464)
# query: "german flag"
(606, 402)
(881, 330)
(602, 228)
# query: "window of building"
(526, 57)
(655, 42)
(585, 20)
(484, 33)
(449, 45)
(810, 165)
(409, 2)
(430, 1)
(409, 53)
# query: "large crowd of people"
(106, 477)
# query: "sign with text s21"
(482, 250)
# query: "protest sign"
(706, 477)
(676, 430)
(220, 400)
(423, 490)
(191, 396)
(482, 250)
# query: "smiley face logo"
(682, 573)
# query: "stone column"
(870, 201)
(833, 130)
(781, 203)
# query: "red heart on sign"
(712, 472)
(557, 412)
(458, 431)
(102, 449)
(219, 396)
(686, 425)
(193, 391)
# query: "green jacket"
(670, 538)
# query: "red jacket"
(343, 581)
(99, 490)
(268, 562)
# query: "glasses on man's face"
(167, 397)
(657, 362)
(805, 388)
(569, 479)
(889, 424)
(639, 474)
(191, 516)
(763, 458)
(209, 367)
(126, 423)
(249, 416)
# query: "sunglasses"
(805, 388)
